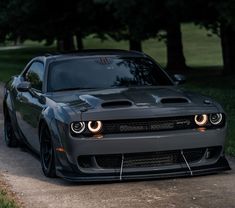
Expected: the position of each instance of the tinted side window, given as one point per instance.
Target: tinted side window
(35, 75)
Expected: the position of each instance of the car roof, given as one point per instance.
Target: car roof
(94, 52)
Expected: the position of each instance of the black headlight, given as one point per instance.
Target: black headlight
(216, 118)
(77, 127)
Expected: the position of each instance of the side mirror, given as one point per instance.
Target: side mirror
(179, 79)
(24, 87)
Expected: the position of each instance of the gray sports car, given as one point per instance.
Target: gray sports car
(112, 115)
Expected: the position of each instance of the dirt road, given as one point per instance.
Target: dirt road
(21, 170)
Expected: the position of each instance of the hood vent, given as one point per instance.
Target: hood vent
(116, 104)
(174, 100)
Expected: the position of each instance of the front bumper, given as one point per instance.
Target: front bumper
(69, 167)
(220, 165)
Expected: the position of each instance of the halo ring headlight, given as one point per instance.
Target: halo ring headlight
(77, 127)
(95, 126)
(201, 120)
(216, 118)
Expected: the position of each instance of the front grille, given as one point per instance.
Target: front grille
(147, 160)
(147, 125)
(153, 159)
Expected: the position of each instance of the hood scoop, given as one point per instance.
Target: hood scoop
(174, 100)
(116, 104)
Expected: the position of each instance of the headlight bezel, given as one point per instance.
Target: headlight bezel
(208, 120)
(74, 131)
(98, 127)
(219, 121)
(86, 128)
(204, 120)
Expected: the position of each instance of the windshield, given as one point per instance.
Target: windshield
(105, 72)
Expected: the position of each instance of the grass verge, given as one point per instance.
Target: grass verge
(221, 89)
(8, 198)
(6, 201)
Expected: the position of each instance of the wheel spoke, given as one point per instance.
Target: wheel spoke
(9, 130)
(47, 151)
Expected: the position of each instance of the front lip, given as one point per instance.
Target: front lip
(220, 165)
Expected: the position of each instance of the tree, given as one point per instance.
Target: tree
(142, 20)
(217, 16)
(227, 33)
(137, 19)
(13, 23)
(175, 54)
(53, 20)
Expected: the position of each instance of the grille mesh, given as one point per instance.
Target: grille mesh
(154, 159)
(147, 125)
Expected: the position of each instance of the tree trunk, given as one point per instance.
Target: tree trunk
(49, 41)
(66, 43)
(80, 45)
(134, 42)
(2, 37)
(59, 44)
(17, 40)
(135, 45)
(228, 49)
(175, 54)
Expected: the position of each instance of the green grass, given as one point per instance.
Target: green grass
(222, 89)
(200, 50)
(13, 61)
(203, 54)
(5, 201)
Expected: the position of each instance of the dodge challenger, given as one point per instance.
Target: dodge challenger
(101, 115)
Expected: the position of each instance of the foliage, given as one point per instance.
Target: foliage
(140, 20)
(132, 20)
(12, 23)
(5, 202)
(41, 19)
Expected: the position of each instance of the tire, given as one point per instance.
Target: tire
(47, 153)
(9, 135)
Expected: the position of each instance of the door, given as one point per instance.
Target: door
(29, 107)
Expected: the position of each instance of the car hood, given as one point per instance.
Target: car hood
(168, 98)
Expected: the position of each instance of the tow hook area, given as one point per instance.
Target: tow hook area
(121, 168)
(183, 156)
(186, 162)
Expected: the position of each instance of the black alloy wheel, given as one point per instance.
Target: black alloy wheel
(9, 135)
(47, 154)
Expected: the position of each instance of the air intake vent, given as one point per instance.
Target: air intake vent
(117, 104)
(174, 100)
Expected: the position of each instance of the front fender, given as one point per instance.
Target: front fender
(58, 120)
(59, 128)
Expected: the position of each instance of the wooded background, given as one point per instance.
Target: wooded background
(132, 20)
